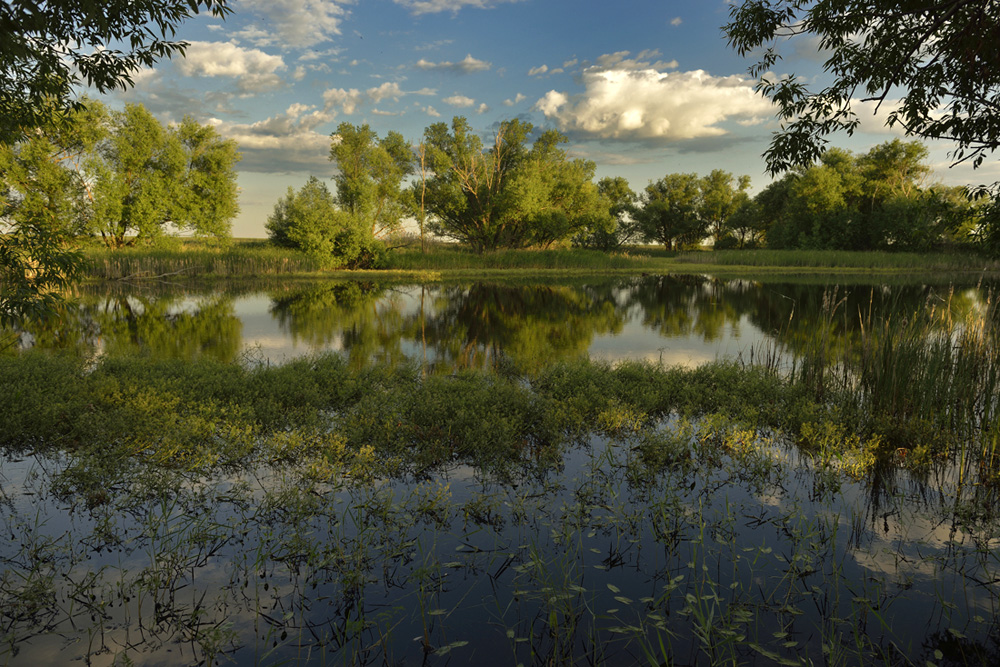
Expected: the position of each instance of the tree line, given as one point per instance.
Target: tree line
(522, 189)
(121, 176)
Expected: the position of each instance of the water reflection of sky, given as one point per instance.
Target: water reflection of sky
(674, 320)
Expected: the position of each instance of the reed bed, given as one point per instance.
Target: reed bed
(844, 259)
(237, 260)
(926, 383)
(447, 257)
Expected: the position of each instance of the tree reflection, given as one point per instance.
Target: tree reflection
(173, 326)
(363, 319)
(533, 326)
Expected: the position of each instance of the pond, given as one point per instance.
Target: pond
(684, 319)
(680, 539)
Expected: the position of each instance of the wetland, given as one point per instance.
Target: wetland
(617, 470)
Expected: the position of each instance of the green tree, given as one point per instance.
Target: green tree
(208, 197)
(48, 49)
(621, 202)
(146, 176)
(509, 195)
(309, 220)
(554, 196)
(467, 196)
(138, 167)
(937, 58)
(719, 199)
(370, 173)
(745, 223)
(43, 201)
(669, 214)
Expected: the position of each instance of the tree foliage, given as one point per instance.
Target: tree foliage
(40, 192)
(49, 48)
(670, 212)
(310, 220)
(370, 173)
(940, 58)
(507, 195)
(873, 201)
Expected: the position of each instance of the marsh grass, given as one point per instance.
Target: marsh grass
(844, 259)
(195, 259)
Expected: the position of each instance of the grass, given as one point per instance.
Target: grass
(246, 258)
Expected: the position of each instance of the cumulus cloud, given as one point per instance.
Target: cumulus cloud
(538, 71)
(483, 108)
(623, 101)
(517, 100)
(298, 23)
(453, 6)
(284, 142)
(348, 101)
(253, 70)
(385, 91)
(459, 101)
(467, 65)
(676, 21)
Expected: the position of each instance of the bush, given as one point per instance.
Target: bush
(309, 220)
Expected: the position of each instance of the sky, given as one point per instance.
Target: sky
(643, 88)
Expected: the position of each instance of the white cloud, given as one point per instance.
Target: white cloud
(459, 101)
(453, 6)
(287, 141)
(347, 100)
(468, 65)
(311, 54)
(642, 61)
(623, 102)
(385, 91)
(517, 100)
(432, 112)
(676, 21)
(483, 108)
(253, 70)
(299, 23)
(538, 71)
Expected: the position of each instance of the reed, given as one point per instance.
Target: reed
(196, 260)
(841, 259)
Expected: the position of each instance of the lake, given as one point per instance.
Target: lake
(687, 539)
(686, 320)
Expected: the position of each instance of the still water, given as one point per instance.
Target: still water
(688, 543)
(683, 320)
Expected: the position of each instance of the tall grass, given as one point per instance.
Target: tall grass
(447, 257)
(926, 382)
(834, 259)
(190, 260)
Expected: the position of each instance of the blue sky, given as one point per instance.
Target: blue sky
(641, 87)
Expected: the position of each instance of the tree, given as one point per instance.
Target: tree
(719, 199)
(370, 175)
(621, 202)
(509, 195)
(669, 214)
(938, 57)
(208, 197)
(468, 195)
(43, 202)
(147, 176)
(48, 49)
(309, 220)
